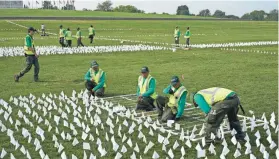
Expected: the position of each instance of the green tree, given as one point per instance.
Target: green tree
(127, 8)
(246, 16)
(182, 10)
(257, 15)
(105, 6)
(68, 7)
(273, 15)
(48, 5)
(219, 14)
(205, 13)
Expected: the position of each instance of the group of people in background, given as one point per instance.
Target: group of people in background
(186, 36)
(65, 36)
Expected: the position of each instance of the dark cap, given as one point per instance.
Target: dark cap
(61, 26)
(31, 29)
(94, 63)
(78, 28)
(174, 80)
(144, 69)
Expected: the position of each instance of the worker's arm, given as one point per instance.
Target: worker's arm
(138, 91)
(151, 89)
(181, 105)
(64, 32)
(166, 90)
(101, 82)
(178, 34)
(202, 104)
(87, 76)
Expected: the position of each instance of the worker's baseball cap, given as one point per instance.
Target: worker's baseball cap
(174, 80)
(31, 29)
(61, 26)
(94, 63)
(144, 69)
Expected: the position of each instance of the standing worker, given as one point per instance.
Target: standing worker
(146, 91)
(43, 30)
(62, 33)
(91, 33)
(187, 36)
(95, 80)
(216, 103)
(176, 36)
(78, 36)
(68, 37)
(31, 56)
(172, 108)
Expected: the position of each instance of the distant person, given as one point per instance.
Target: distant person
(78, 36)
(187, 36)
(176, 36)
(95, 80)
(43, 30)
(91, 33)
(68, 37)
(31, 57)
(62, 33)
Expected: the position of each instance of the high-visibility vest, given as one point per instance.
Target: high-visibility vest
(91, 31)
(214, 94)
(69, 35)
(144, 85)
(187, 34)
(28, 52)
(77, 34)
(176, 33)
(98, 76)
(174, 98)
(61, 33)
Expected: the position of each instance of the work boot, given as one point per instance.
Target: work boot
(36, 80)
(16, 78)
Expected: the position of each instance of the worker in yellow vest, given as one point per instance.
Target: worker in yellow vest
(91, 31)
(95, 80)
(176, 36)
(172, 107)
(216, 103)
(78, 36)
(62, 33)
(146, 90)
(68, 37)
(31, 56)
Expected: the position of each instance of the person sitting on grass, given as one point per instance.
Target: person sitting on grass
(95, 80)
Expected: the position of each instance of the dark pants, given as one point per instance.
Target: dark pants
(216, 115)
(187, 42)
(61, 41)
(176, 41)
(90, 85)
(91, 37)
(69, 43)
(31, 60)
(79, 43)
(43, 32)
(146, 103)
(164, 111)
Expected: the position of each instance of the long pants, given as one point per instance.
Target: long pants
(43, 32)
(187, 42)
(176, 41)
(31, 60)
(61, 41)
(146, 103)
(69, 43)
(216, 115)
(164, 111)
(91, 85)
(79, 43)
(91, 37)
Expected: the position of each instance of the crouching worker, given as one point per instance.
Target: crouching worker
(95, 80)
(146, 91)
(216, 103)
(172, 107)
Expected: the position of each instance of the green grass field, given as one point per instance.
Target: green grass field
(253, 76)
(71, 13)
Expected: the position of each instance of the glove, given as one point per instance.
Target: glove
(171, 91)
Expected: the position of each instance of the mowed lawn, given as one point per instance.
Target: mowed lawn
(253, 76)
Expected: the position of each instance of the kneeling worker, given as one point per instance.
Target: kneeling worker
(95, 80)
(172, 108)
(216, 103)
(146, 91)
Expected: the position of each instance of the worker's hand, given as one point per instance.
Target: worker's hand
(140, 98)
(92, 79)
(171, 91)
(36, 55)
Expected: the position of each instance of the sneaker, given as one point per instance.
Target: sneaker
(16, 78)
(36, 80)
